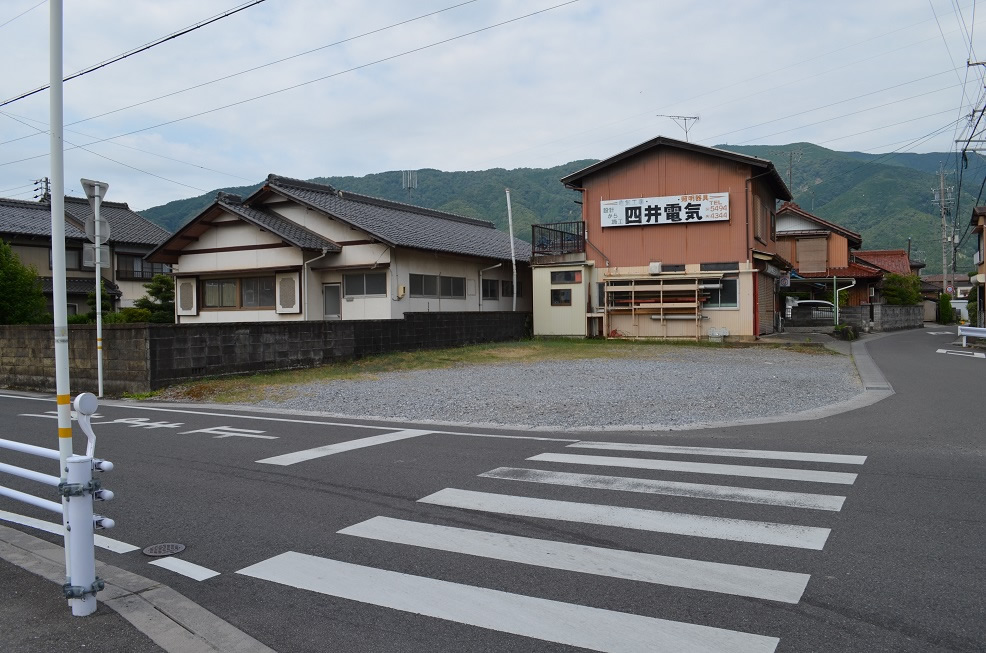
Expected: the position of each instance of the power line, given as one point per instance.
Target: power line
(142, 48)
(312, 81)
(7, 190)
(20, 119)
(4, 24)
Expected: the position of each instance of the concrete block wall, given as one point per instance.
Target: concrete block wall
(884, 317)
(139, 358)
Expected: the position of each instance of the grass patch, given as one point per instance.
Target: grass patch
(281, 384)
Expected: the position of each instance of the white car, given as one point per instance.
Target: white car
(816, 304)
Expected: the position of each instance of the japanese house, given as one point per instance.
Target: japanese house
(297, 250)
(27, 227)
(676, 240)
(978, 292)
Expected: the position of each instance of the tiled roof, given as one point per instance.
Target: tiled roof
(891, 260)
(276, 224)
(31, 219)
(80, 286)
(401, 224)
(126, 226)
(855, 270)
(958, 277)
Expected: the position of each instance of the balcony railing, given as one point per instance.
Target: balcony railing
(558, 238)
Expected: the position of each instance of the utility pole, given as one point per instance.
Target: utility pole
(943, 197)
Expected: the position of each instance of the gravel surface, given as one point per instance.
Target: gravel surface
(668, 388)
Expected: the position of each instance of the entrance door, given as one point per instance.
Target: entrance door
(332, 301)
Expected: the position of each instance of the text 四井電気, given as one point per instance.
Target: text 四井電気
(676, 209)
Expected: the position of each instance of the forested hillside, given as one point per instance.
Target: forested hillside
(886, 198)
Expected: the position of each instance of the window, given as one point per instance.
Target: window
(567, 276)
(491, 289)
(453, 287)
(219, 293)
(369, 284)
(73, 259)
(507, 289)
(725, 297)
(129, 266)
(561, 296)
(257, 292)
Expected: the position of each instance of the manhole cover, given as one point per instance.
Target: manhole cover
(166, 549)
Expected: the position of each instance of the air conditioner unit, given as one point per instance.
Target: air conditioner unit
(655, 267)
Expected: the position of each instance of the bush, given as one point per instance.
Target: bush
(846, 332)
(78, 318)
(901, 290)
(946, 315)
(973, 309)
(21, 299)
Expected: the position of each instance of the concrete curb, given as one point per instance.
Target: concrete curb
(170, 620)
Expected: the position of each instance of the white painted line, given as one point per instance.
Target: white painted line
(657, 521)
(941, 333)
(783, 473)
(185, 568)
(968, 354)
(506, 437)
(116, 546)
(340, 447)
(672, 488)
(528, 616)
(644, 567)
(727, 453)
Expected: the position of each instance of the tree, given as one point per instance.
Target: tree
(21, 298)
(106, 303)
(946, 315)
(902, 290)
(160, 299)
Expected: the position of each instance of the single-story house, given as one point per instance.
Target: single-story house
(298, 250)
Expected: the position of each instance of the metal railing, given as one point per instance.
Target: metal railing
(558, 238)
(78, 490)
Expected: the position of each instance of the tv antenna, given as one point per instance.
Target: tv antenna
(683, 122)
(409, 181)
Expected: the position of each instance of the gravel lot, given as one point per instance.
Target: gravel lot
(661, 389)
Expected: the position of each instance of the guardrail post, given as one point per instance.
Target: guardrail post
(78, 491)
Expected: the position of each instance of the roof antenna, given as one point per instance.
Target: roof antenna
(409, 181)
(683, 124)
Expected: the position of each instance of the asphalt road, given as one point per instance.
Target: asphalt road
(453, 543)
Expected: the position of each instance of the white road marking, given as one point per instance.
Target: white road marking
(969, 354)
(102, 542)
(644, 567)
(843, 478)
(941, 333)
(727, 453)
(219, 432)
(673, 488)
(739, 530)
(339, 447)
(185, 568)
(552, 621)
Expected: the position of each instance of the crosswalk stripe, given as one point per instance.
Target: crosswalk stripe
(339, 447)
(554, 621)
(728, 453)
(185, 568)
(740, 530)
(673, 488)
(737, 580)
(811, 475)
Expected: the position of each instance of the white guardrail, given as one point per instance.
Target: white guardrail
(967, 331)
(78, 490)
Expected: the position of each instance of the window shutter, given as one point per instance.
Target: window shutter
(812, 254)
(186, 300)
(288, 299)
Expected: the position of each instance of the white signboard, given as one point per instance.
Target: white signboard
(675, 209)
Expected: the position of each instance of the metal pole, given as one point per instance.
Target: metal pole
(513, 260)
(81, 551)
(835, 298)
(59, 298)
(99, 291)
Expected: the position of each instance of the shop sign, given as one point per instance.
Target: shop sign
(674, 209)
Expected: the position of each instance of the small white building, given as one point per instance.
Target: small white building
(297, 250)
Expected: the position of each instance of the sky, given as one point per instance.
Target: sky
(377, 85)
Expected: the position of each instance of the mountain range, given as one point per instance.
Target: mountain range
(886, 198)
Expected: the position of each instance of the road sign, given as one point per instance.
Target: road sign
(89, 255)
(104, 230)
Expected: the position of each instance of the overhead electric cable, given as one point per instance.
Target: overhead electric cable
(7, 190)
(312, 81)
(27, 11)
(142, 48)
